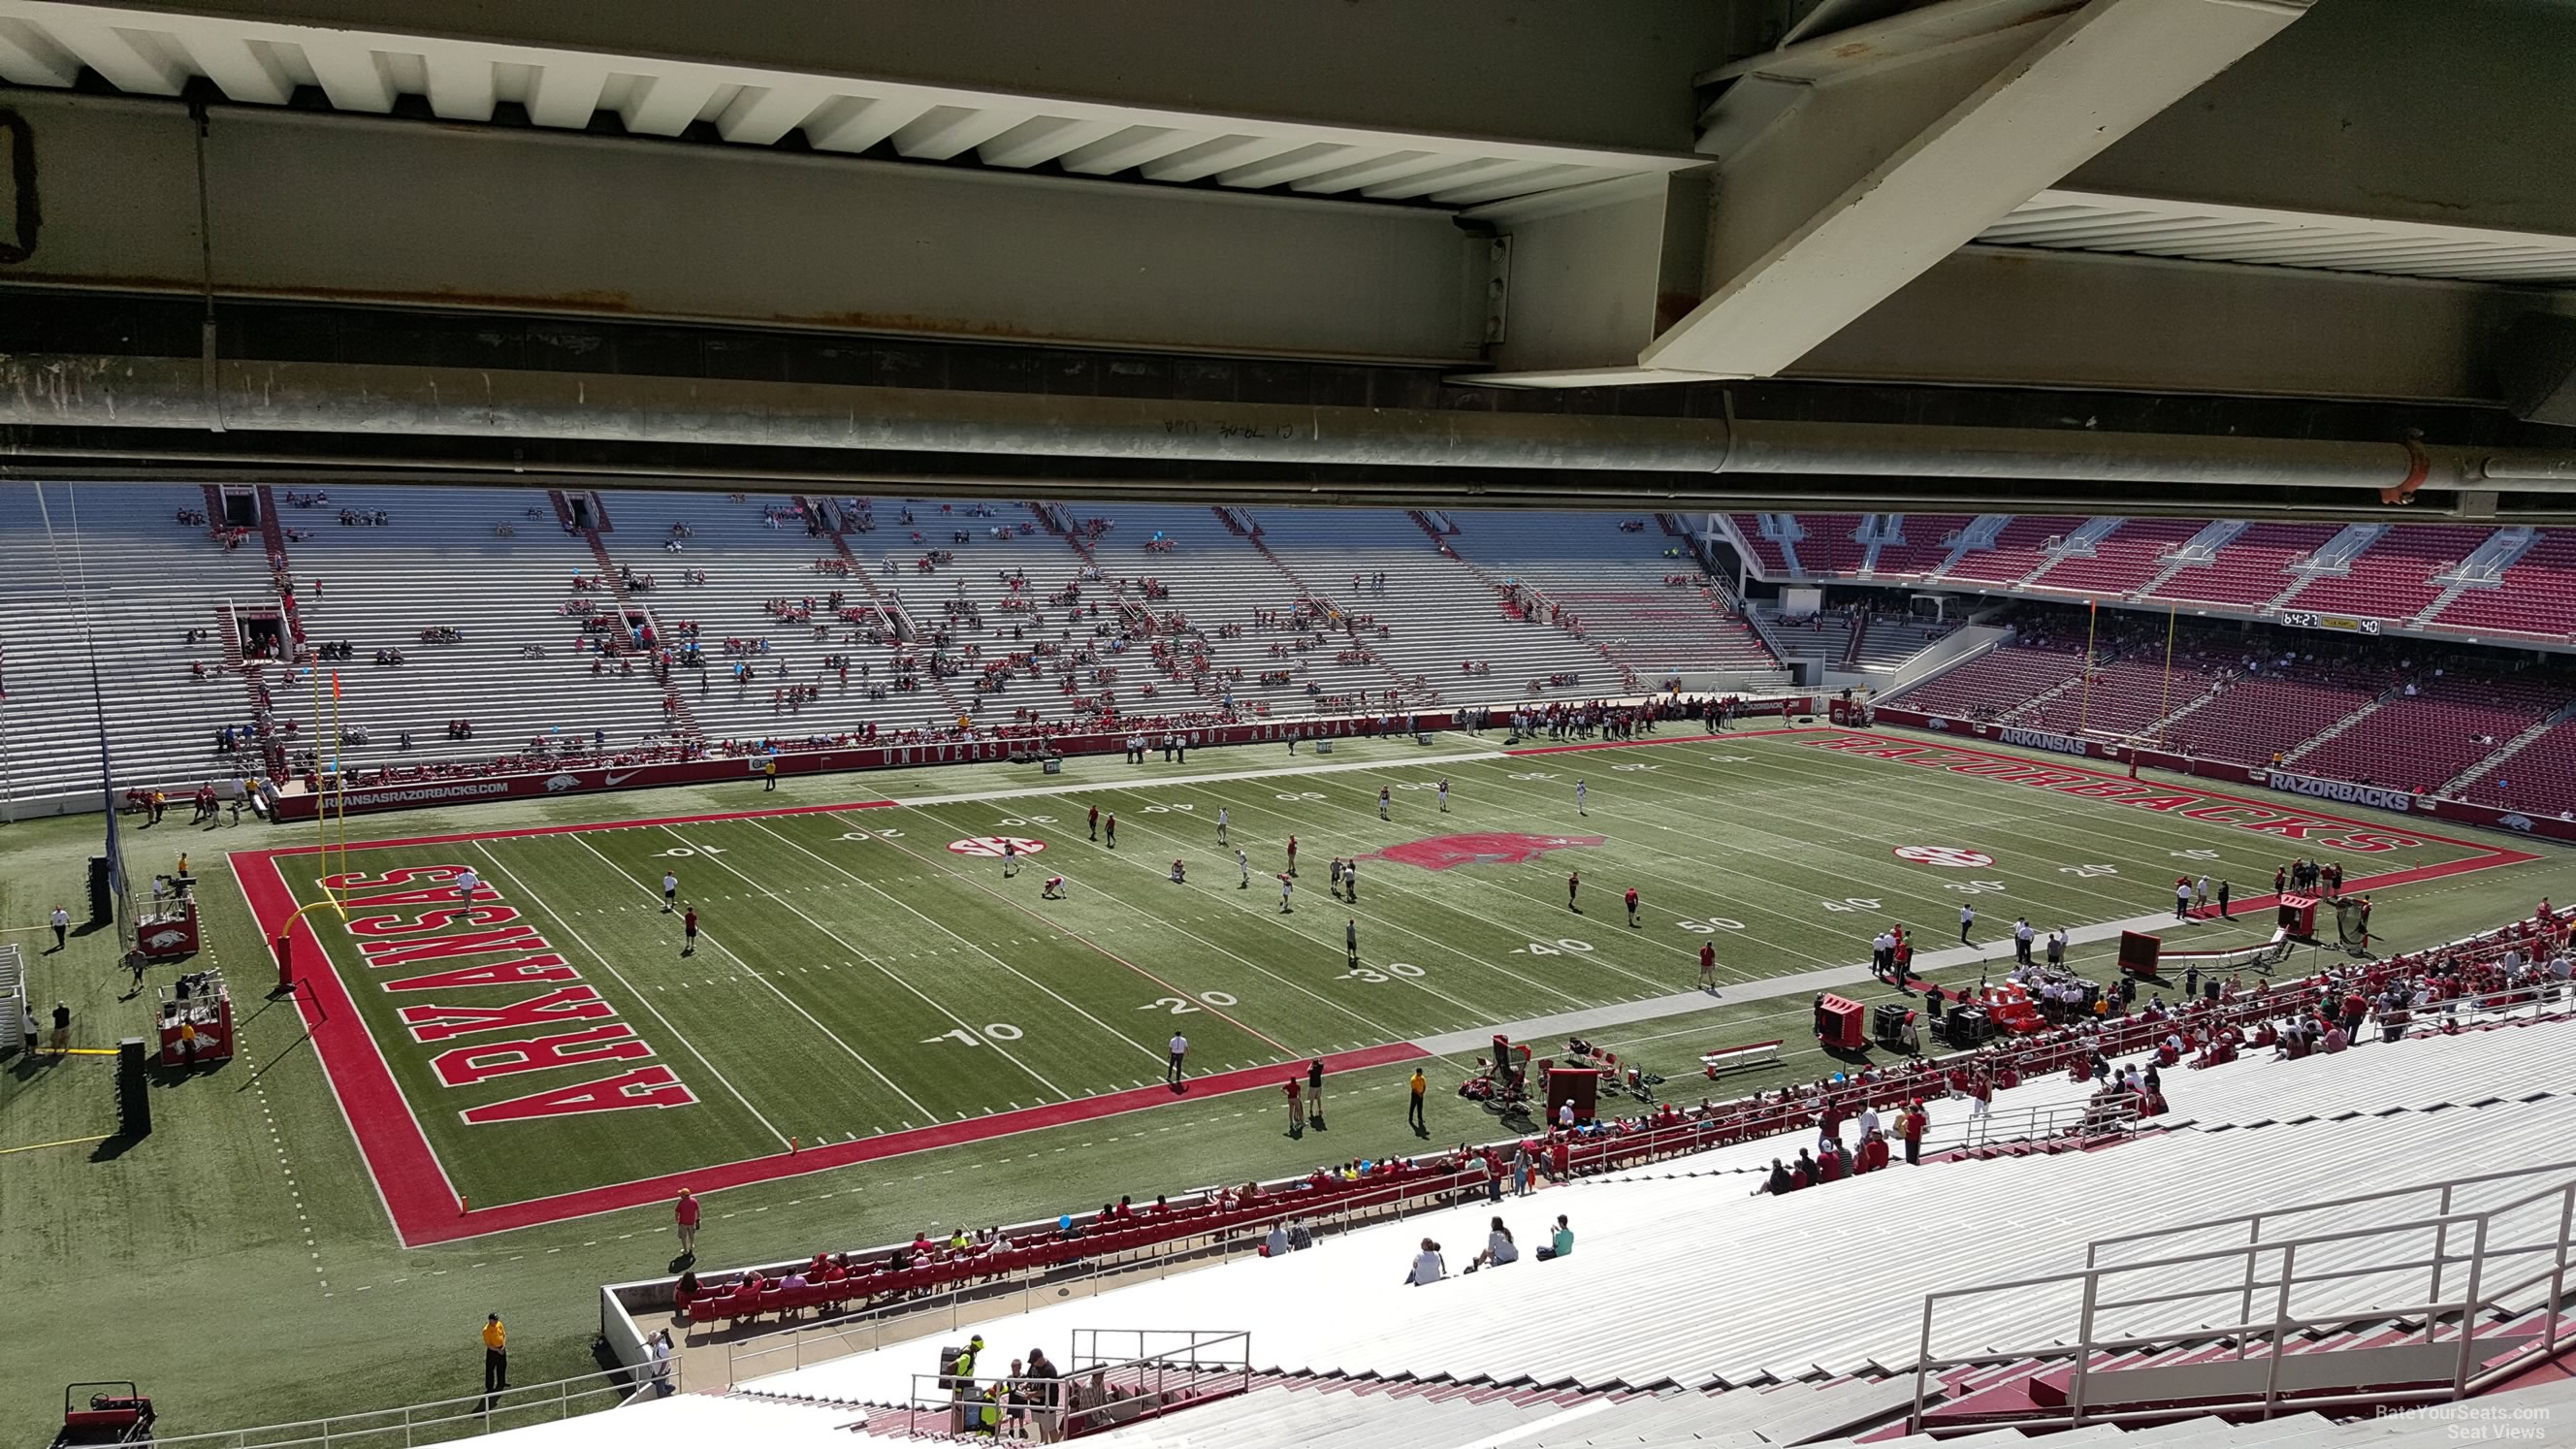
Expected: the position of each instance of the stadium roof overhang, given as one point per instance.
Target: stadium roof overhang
(2226, 218)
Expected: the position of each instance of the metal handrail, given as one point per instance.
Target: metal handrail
(1222, 1359)
(1397, 1197)
(2480, 1297)
(340, 1429)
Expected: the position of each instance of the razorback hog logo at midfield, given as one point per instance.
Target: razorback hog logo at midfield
(1498, 848)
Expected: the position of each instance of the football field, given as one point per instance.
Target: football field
(876, 978)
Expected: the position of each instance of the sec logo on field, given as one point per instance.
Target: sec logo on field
(990, 846)
(1945, 855)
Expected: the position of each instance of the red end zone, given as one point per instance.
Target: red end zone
(415, 1188)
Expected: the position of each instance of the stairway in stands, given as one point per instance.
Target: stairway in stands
(2317, 741)
(677, 708)
(890, 607)
(2511, 748)
(1411, 692)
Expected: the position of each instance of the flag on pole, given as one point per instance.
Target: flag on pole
(335, 684)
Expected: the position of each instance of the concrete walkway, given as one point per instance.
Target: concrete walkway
(1953, 961)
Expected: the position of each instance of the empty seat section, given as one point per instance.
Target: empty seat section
(2251, 569)
(2021, 547)
(2393, 578)
(2123, 560)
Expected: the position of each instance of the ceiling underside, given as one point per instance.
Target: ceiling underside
(2302, 224)
(369, 72)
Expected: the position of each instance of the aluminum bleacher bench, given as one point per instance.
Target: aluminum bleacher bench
(1739, 1058)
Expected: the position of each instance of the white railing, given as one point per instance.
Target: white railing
(1145, 1373)
(443, 1419)
(2444, 1270)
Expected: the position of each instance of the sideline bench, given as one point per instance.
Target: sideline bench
(1739, 1058)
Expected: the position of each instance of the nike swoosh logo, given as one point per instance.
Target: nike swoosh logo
(613, 779)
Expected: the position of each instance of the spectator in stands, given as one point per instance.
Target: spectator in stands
(1276, 1243)
(1499, 1248)
(1042, 1392)
(1428, 1265)
(1560, 1244)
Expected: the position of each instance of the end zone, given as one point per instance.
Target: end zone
(421, 1199)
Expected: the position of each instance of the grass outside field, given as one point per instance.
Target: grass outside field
(855, 974)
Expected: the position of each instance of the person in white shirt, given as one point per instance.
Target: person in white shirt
(670, 891)
(1243, 863)
(2021, 940)
(1222, 821)
(1428, 1266)
(1967, 918)
(1499, 1248)
(466, 885)
(1565, 1114)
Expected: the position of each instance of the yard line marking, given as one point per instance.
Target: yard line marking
(1379, 921)
(1385, 1032)
(709, 938)
(944, 929)
(540, 903)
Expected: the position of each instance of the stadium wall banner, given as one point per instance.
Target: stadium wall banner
(2347, 791)
(2459, 812)
(590, 778)
(2061, 744)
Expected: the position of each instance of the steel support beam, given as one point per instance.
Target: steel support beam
(389, 211)
(2017, 318)
(1606, 73)
(1862, 184)
(51, 391)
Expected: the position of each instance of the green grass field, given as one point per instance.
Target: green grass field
(858, 981)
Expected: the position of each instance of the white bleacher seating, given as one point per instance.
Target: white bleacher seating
(135, 580)
(1730, 1302)
(440, 562)
(1614, 581)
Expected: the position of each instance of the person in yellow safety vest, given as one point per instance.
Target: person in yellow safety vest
(992, 1411)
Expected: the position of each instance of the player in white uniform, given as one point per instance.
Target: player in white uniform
(1578, 797)
(1010, 857)
(1285, 886)
(1054, 888)
(1243, 863)
(1222, 820)
(1444, 797)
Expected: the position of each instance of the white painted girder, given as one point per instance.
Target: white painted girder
(2070, 220)
(460, 82)
(155, 52)
(855, 123)
(1044, 138)
(1860, 187)
(31, 57)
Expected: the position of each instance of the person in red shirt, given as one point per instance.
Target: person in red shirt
(1095, 822)
(1829, 1166)
(684, 1217)
(1875, 1154)
(1708, 967)
(1573, 884)
(1560, 1161)
(1632, 908)
(1292, 855)
(1296, 1112)
(1914, 1122)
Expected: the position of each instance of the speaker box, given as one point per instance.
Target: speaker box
(102, 899)
(133, 1092)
